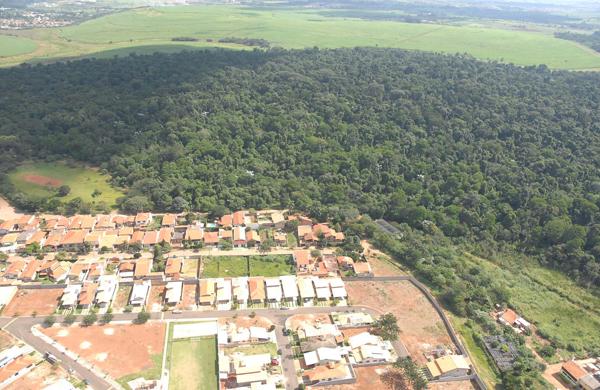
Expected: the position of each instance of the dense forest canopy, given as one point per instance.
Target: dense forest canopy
(483, 152)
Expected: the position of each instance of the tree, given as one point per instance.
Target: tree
(142, 317)
(63, 191)
(387, 327)
(412, 373)
(90, 319)
(266, 245)
(49, 321)
(69, 319)
(107, 317)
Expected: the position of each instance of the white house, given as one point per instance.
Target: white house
(338, 289)
(370, 349)
(173, 293)
(323, 355)
(223, 294)
(322, 289)
(307, 290)
(139, 293)
(290, 288)
(241, 292)
(107, 288)
(274, 293)
(70, 295)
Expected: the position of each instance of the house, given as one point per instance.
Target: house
(106, 291)
(304, 232)
(30, 272)
(223, 294)
(252, 238)
(370, 349)
(510, 318)
(169, 220)
(211, 239)
(87, 295)
(226, 221)
(104, 223)
(280, 238)
(150, 239)
(239, 218)
(177, 238)
(139, 293)
(258, 334)
(126, 270)
(194, 235)
(277, 219)
(323, 355)
(572, 372)
(70, 296)
(362, 269)
(142, 219)
(143, 268)
(273, 287)
(318, 330)
(128, 231)
(39, 237)
(290, 288)
(338, 290)
(165, 234)
(352, 319)
(590, 382)
(239, 236)
(24, 236)
(173, 267)
(448, 366)
(173, 293)
(322, 289)
(73, 240)
(59, 271)
(96, 270)
(15, 268)
(88, 222)
(241, 292)
(248, 369)
(9, 242)
(92, 239)
(307, 289)
(302, 258)
(257, 290)
(207, 292)
(111, 241)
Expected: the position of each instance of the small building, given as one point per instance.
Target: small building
(273, 287)
(239, 218)
(352, 319)
(289, 287)
(143, 219)
(363, 269)
(572, 372)
(169, 220)
(211, 239)
(143, 268)
(173, 267)
(302, 259)
(448, 366)
(107, 288)
(224, 294)
(256, 287)
(510, 318)
(139, 293)
(590, 382)
(173, 293)
(307, 290)
(87, 295)
(239, 237)
(70, 296)
(323, 355)
(322, 289)
(126, 270)
(207, 292)
(338, 289)
(240, 290)
(370, 349)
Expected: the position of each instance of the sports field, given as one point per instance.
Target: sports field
(149, 29)
(193, 364)
(41, 180)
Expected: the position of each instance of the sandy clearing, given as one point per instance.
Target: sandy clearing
(7, 211)
(41, 180)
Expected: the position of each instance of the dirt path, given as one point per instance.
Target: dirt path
(7, 211)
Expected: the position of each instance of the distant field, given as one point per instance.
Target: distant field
(12, 46)
(41, 180)
(234, 266)
(151, 29)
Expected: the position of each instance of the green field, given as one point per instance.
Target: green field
(13, 46)
(551, 301)
(193, 364)
(150, 29)
(234, 266)
(40, 180)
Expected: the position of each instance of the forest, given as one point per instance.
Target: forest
(495, 155)
(590, 40)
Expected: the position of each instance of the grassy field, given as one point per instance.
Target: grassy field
(40, 180)
(13, 46)
(551, 301)
(152, 29)
(275, 265)
(193, 364)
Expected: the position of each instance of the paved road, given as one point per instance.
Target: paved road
(21, 328)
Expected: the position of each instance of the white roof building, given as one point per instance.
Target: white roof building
(240, 289)
(173, 292)
(290, 288)
(61, 384)
(139, 293)
(307, 290)
(259, 333)
(70, 295)
(322, 288)
(223, 291)
(318, 330)
(274, 292)
(323, 355)
(338, 289)
(361, 339)
(107, 286)
(6, 294)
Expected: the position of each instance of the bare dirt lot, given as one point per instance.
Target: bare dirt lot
(27, 301)
(246, 322)
(421, 328)
(381, 264)
(42, 180)
(461, 385)
(43, 375)
(366, 378)
(15, 366)
(6, 340)
(155, 298)
(122, 298)
(118, 350)
(188, 298)
(307, 319)
(7, 211)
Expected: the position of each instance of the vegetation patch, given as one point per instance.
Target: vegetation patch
(271, 265)
(193, 364)
(224, 266)
(13, 46)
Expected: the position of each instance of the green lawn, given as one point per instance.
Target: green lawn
(153, 28)
(40, 180)
(559, 308)
(271, 265)
(193, 364)
(12, 46)
(224, 266)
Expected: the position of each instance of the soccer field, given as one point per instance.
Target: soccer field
(147, 29)
(193, 364)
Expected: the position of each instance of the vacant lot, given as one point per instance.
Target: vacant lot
(41, 376)
(193, 364)
(6, 340)
(421, 328)
(28, 302)
(41, 180)
(224, 266)
(123, 351)
(122, 298)
(16, 365)
(190, 268)
(155, 298)
(123, 32)
(274, 265)
(188, 299)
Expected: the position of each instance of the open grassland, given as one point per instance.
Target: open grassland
(149, 29)
(234, 266)
(193, 364)
(274, 265)
(561, 310)
(41, 180)
(13, 46)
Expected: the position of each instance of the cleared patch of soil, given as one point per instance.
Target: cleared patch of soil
(41, 376)
(41, 180)
(26, 302)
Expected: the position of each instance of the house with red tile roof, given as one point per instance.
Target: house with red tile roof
(572, 372)
(143, 268)
(239, 218)
(87, 295)
(303, 260)
(73, 240)
(137, 237)
(165, 234)
(239, 236)
(30, 272)
(15, 268)
(143, 219)
(150, 239)
(362, 268)
(226, 221)
(211, 239)
(173, 267)
(169, 220)
(252, 238)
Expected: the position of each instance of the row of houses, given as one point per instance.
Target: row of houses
(582, 375)
(289, 290)
(116, 232)
(329, 265)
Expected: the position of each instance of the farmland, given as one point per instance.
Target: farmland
(152, 29)
(41, 180)
(12, 46)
